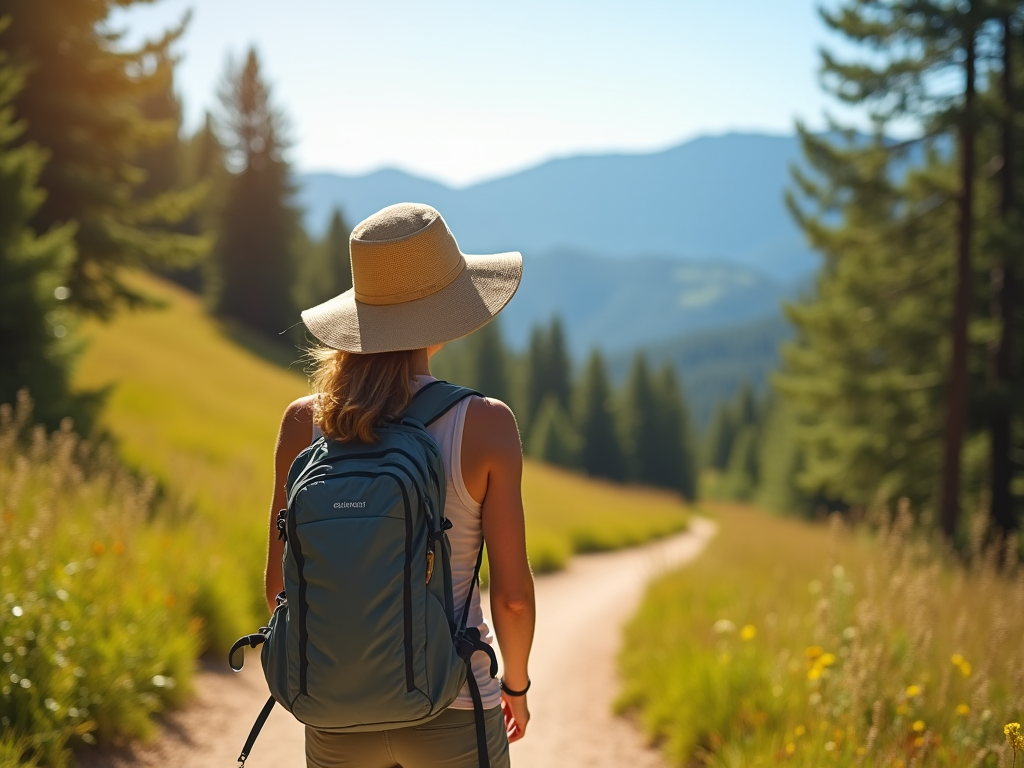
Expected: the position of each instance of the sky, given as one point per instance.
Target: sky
(465, 90)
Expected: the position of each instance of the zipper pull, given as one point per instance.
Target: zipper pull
(282, 522)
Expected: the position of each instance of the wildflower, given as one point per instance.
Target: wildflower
(827, 659)
(724, 626)
(957, 659)
(749, 632)
(902, 709)
(919, 741)
(790, 748)
(97, 548)
(1013, 735)
(963, 710)
(799, 731)
(1012, 731)
(814, 672)
(118, 548)
(913, 691)
(813, 652)
(918, 726)
(965, 669)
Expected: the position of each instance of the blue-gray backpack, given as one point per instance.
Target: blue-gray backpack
(365, 636)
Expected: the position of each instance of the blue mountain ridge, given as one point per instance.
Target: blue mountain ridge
(628, 249)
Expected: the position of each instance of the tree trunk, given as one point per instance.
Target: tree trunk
(957, 393)
(1001, 438)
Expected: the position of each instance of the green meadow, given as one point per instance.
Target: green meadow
(799, 644)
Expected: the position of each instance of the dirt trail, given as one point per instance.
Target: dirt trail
(580, 614)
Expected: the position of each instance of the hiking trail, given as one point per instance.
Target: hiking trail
(580, 612)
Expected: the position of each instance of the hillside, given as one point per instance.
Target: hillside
(712, 364)
(715, 198)
(620, 305)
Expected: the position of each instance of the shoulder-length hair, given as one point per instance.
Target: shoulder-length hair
(357, 392)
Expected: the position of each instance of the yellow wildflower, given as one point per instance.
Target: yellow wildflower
(790, 748)
(814, 672)
(98, 548)
(1013, 735)
(902, 709)
(957, 659)
(913, 690)
(799, 731)
(963, 710)
(918, 726)
(749, 632)
(965, 669)
(919, 741)
(827, 659)
(813, 652)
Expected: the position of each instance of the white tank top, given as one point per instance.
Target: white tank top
(466, 536)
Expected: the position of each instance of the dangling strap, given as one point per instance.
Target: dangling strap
(468, 642)
(252, 641)
(256, 728)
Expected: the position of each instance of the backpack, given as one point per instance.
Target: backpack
(365, 636)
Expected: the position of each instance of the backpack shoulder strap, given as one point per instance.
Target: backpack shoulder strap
(435, 400)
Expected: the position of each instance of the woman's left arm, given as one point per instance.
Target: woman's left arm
(293, 436)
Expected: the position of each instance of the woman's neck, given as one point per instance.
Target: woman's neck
(420, 363)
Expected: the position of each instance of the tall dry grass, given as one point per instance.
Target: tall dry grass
(99, 583)
(795, 644)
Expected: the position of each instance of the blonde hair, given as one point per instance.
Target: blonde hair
(357, 392)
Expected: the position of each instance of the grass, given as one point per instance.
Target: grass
(96, 597)
(803, 645)
(200, 411)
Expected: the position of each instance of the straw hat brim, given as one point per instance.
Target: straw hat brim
(466, 304)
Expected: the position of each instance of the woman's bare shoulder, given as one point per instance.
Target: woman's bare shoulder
(298, 417)
(491, 428)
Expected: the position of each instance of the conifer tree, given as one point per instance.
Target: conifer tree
(601, 452)
(675, 463)
(82, 104)
(258, 226)
(325, 269)
(882, 403)
(549, 369)
(201, 159)
(640, 424)
(36, 329)
(554, 439)
(491, 376)
(720, 436)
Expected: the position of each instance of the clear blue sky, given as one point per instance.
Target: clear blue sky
(462, 90)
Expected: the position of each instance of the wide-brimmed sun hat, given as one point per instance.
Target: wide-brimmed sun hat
(411, 285)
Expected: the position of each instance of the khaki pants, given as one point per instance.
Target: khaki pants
(449, 740)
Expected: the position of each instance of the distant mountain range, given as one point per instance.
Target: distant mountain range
(716, 199)
(618, 304)
(630, 250)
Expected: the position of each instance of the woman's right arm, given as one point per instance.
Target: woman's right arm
(496, 456)
(293, 436)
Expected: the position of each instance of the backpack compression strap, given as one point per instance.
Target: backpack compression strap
(468, 642)
(434, 400)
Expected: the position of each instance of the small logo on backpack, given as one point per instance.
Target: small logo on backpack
(350, 504)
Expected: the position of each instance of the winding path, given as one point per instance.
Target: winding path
(580, 615)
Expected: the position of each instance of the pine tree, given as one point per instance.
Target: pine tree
(258, 228)
(201, 159)
(888, 411)
(601, 453)
(720, 436)
(559, 367)
(554, 438)
(640, 424)
(490, 362)
(82, 104)
(675, 463)
(36, 329)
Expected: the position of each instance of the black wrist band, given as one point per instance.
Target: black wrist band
(510, 692)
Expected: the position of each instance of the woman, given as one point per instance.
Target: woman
(413, 290)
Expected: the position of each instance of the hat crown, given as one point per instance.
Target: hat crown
(402, 253)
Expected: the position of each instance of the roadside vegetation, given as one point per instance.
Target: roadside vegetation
(808, 645)
(101, 584)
